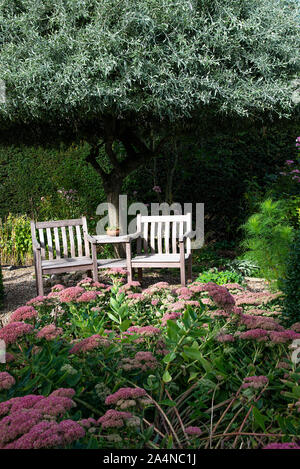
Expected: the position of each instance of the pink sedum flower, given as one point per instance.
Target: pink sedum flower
(254, 334)
(6, 380)
(255, 382)
(114, 419)
(87, 296)
(170, 317)
(14, 331)
(154, 302)
(223, 338)
(63, 392)
(144, 330)
(193, 431)
(49, 332)
(125, 393)
(38, 300)
(57, 288)
(88, 344)
(29, 422)
(282, 446)
(284, 336)
(70, 294)
(23, 313)
(47, 434)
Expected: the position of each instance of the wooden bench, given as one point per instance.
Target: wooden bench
(163, 241)
(62, 246)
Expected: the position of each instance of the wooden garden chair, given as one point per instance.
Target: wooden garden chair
(62, 246)
(163, 241)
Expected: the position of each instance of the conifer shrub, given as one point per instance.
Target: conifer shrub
(268, 239)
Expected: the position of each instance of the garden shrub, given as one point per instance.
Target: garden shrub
(290, 285)
(220, 276)
(244, 267)
(268, 239)
(15, 239)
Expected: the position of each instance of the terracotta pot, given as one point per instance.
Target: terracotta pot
(113, 232)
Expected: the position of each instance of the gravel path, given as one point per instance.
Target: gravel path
(19, 287)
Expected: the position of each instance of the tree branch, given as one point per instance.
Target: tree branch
(92, 159)
(136, 158)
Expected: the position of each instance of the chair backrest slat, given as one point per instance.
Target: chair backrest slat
(181, 229)
(50, 244)
(86, 243)
(159, 237)
(58, 223)
(138, 229)
(189, 229)
(145, 236)
(57, 245)
(64, 240)
(42, 242)
(167, 237)
(79, 240)
(152, 238)
(72, 243)
(174, 237)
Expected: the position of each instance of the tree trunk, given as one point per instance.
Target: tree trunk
(112, 196)
(137, 155)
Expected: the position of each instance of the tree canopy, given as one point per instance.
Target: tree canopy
(157, 59)
(118, 68)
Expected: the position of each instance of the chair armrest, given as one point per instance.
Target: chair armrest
(133, 236)
(90, 238)
(185, 236)
(36, 245)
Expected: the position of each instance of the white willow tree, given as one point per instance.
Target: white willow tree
(127, 73)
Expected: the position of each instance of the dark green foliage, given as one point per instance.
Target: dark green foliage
(228, 167)
(1, 288)
(32, 176)
(15, 239)
(290, 285)
(220, 277)
(268, 238)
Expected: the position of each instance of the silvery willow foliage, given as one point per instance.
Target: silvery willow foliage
(159, 58)
(129, 71)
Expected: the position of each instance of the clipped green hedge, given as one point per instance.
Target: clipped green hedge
(1, 288)
(291, 284)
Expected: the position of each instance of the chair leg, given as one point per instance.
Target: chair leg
(182, 275)
(39, 282)
(128, 262)
(140, 274)
(95, 265)
(190, 269)
(182, 263)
